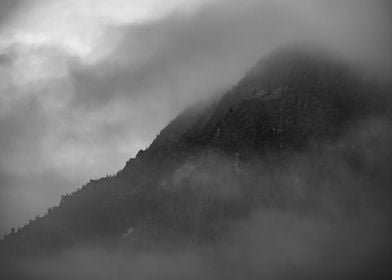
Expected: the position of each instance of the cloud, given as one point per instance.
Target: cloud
(271, 244)
(83, 89)
(7, 8)
(325, 215)
(81, 30)
(185, 58)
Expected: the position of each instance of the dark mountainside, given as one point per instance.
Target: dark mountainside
(299, 134)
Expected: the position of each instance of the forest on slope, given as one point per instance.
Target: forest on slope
(300, 146)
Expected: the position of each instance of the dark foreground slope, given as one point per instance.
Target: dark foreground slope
(293, 163)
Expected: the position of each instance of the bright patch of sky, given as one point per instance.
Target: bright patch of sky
(82, 27)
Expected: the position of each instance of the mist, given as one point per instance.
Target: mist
(317, 214)
(82, 90)
(273, 244)
(61, 91)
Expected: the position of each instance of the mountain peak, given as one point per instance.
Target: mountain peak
(288, 101)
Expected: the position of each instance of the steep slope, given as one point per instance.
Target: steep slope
(287, 100)
(212, 165)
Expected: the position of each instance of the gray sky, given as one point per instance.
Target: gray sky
(85, 84)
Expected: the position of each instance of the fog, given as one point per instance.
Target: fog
(321, 214)
(273, 244)
(82, 90)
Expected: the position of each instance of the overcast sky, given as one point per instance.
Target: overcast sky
(85, 84)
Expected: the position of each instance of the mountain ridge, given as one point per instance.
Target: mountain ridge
(197, 174)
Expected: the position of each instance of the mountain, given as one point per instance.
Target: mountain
(300, 131)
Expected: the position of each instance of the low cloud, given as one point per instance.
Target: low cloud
(319, 214)
(65, 112)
